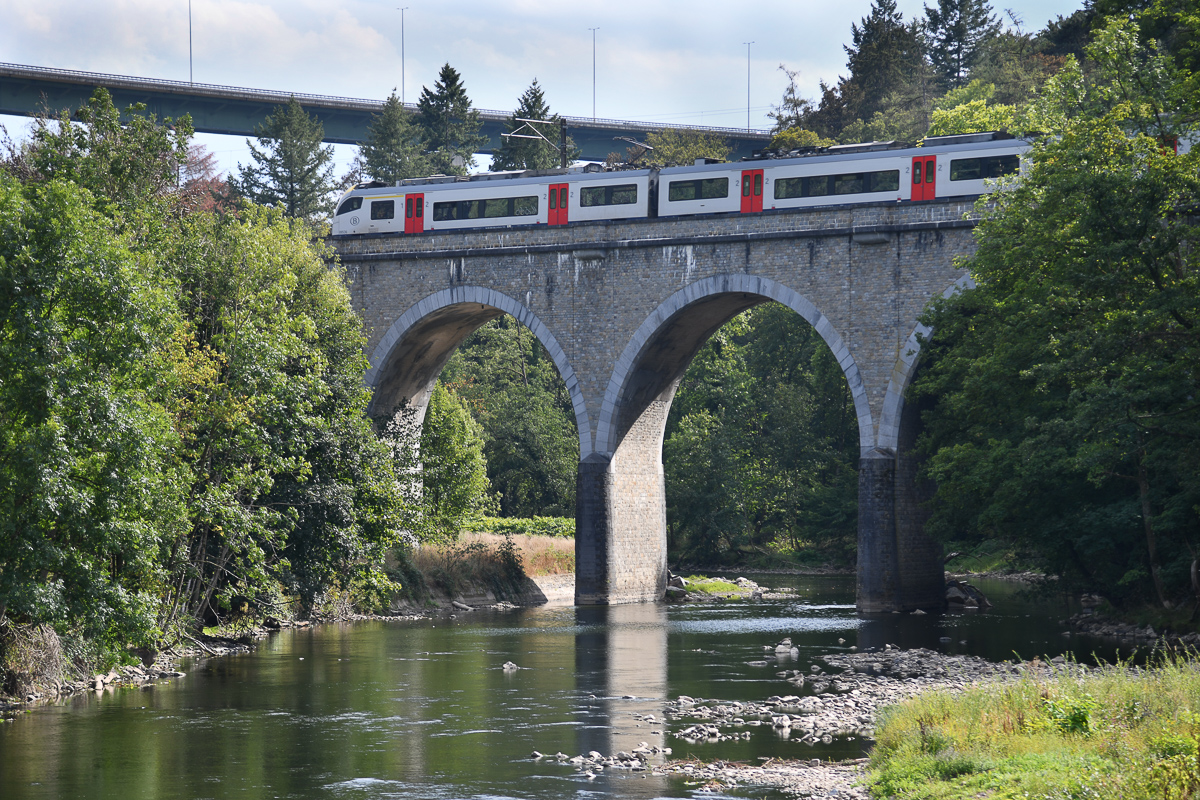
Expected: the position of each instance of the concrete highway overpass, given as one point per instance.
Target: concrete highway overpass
(27, 90)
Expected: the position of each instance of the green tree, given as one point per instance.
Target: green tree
(454, 480)
(1065, 417)
(394, 148)
(681, 147)
(884, 56)
(89, 487)
(966, 110)
(514, 391)
(450, 126)
(183, 410)
(516, 153)
(958, 31)
(126, 161)
(761, 446)
(797, 139)
(291, 168)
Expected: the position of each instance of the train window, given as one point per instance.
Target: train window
(974, 169)
(714, 188)
(758, 185)
(553, 199)
(885, 181)
(492, 208)
(916, 172)
(823, 185)
(383, 209)
(705, 189)
(608, 195)
(849, 184)
(348, 205)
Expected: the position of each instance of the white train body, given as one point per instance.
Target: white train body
(943, 167)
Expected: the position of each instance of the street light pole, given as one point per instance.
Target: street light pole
(593, 30)
(191, 77)
(402, 10)
(747, 85)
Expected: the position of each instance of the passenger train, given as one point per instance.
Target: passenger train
(942, 167)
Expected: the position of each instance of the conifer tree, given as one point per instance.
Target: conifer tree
(292, 169)
(393, 150)
(451, 128)
(957, 31)
(516, 153)
(884, 54)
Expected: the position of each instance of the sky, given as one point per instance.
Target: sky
(655, 61)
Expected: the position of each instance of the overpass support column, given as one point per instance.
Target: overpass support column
(899, 566)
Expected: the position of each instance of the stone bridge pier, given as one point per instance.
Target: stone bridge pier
(622, 307)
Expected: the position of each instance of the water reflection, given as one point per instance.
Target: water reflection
(382, 710)
(621, 663)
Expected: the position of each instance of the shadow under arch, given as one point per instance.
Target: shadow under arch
(621, 540)
(406, 363)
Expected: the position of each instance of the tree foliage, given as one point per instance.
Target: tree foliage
(451, 127)
(958, 32)
(292, 169)
(531, 444)
(677, 147)
(182, 403)
(394, 149)
(515, 153)
(1065, 417)
(761, 446)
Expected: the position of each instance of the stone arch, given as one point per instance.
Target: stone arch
(630, 390)
(620, 545)
(410, 356)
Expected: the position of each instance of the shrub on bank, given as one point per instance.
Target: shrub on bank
(525, 526)
(1118, 731)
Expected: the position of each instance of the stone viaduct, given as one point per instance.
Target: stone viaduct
(622, 307)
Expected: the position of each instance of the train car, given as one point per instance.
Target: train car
(551, 197)
(942, 167)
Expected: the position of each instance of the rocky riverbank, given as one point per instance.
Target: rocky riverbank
(1129, 633)
(838, 697)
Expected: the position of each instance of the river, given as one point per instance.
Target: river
(424, 709)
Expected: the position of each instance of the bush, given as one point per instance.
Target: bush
(529, 526)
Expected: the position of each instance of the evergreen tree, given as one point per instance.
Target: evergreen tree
(531, 153)
(292, 170)
(957, 32)
(883, 57)
(451, 128)
(393, 149)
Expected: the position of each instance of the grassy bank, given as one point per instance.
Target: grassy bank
(1115, 732)
(499, 563)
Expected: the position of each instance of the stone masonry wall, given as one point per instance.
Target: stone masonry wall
(860, 274)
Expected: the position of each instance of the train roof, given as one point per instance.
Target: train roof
(865, 150)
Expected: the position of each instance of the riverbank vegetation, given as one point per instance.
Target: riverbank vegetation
(183, 411)
(1116, 731)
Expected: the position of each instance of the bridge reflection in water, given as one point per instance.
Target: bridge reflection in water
(621, 659)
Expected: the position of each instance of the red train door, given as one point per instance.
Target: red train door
(558, 204)
(924, 177)
(752, 190)
(414, 213)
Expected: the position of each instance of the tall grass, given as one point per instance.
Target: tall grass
(495, 562)
(1116, 732)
